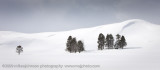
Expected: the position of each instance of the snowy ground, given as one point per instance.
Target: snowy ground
(142, 52)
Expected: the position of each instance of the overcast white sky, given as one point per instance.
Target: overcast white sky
(32, 16)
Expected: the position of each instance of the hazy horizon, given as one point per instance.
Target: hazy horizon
(30, 16)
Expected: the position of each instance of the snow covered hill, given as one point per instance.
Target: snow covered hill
(141, 53)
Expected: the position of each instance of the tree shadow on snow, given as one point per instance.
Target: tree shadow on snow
(125, 48)
(88, 51)
(132, 47)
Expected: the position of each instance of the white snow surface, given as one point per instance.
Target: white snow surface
(141, 53)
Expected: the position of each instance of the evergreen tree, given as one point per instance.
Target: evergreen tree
(123, 42)
(101, 41)
(74, 46)
(19, 49)
(109, 41)
(80, 46)
(68, 44)
(118, 42)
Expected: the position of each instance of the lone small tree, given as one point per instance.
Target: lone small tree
(19, 49)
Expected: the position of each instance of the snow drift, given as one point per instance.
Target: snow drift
(142, 51)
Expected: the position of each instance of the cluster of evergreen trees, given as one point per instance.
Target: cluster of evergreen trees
(120, 42)
(73, 46)
(109, 41)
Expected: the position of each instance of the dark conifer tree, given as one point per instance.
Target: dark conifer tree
(68, 44)
(111, 41)
(19, 49)
(123, 42)
(101, 41)
(80, 46)
(74, 47)
(107, 41)
(118, 42)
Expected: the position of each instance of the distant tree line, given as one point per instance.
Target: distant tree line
(73, 46)
(109, 41)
